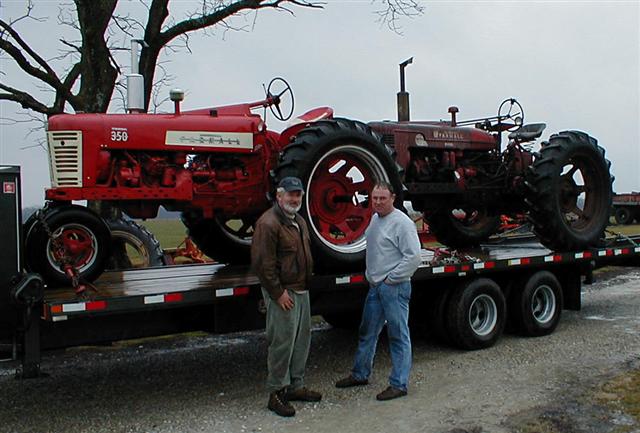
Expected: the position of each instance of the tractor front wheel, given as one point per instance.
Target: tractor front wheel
(67, 237)
(339, 161)
(133, 246)
(460, 228)
(222, 239)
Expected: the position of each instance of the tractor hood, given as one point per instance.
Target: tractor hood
(433, 135)
(179, 132)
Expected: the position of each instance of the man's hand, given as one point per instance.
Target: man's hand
(284, 301)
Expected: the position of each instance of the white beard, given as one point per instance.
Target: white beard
(291, 210)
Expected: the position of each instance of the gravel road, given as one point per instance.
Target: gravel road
(204, 383)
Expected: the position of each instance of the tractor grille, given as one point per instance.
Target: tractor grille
(389, 139)
(65, 158)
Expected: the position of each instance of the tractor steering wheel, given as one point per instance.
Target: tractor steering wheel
(278, 88)
(512, 110)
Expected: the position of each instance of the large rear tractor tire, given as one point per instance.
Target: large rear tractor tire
(338, 161)
(570, 192)
(133, 246)
(458, 228)
(79, 237)
(225, 241)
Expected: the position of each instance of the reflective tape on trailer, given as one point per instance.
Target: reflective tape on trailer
(161, 299)
(232, 291)
(79, 306)
(63, 311)
(351, 279)
(553, 258)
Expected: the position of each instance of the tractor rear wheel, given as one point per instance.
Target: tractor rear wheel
(223, 240)
(133, 246)
(338, 161)
(78, 237)
(459, 228)
(570, 192)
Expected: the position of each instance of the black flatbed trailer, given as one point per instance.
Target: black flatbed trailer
(136, 290)
(461, 296)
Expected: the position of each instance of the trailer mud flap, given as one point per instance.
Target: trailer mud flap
(570, 279)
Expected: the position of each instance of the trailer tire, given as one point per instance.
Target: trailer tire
(338, 161)
(344, 320)
(535, 305)
(78, 226)
(476, 314)
(127, 235)
(570, 192)
(623, 216)
(437, 316)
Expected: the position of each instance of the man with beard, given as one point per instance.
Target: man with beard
(281, 257)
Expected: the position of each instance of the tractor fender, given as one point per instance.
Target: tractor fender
(297, 124)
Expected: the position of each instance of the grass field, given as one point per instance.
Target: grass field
(171, 233)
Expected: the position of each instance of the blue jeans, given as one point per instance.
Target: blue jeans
(386, 303)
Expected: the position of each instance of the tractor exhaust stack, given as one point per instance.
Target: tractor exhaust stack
(403, 95)
(135, 81)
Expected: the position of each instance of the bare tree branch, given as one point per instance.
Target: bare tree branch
(394, 9)
(48, 75)
(24, 99)
(220, 14)
(92, 68)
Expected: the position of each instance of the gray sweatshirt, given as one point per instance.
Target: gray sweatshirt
(393, 248)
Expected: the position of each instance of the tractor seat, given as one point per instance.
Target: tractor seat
(528, 132)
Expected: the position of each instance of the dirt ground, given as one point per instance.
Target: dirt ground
(582, 378)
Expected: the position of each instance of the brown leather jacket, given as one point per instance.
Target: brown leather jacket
(280, 253)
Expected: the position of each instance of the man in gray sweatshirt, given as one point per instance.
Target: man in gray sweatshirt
(393, 255)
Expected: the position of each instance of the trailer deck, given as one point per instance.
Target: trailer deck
(183, 285)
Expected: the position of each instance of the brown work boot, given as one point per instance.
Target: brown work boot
(390, 393)
(279, 404)
(350, 381)
(303, 394)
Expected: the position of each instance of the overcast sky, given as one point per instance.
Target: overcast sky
(572, 65)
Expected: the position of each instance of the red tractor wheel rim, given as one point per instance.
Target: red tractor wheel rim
(74, 244)
(337, 196)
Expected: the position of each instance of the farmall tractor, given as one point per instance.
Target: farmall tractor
(218, 166)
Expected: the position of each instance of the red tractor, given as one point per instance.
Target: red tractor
(218, 166)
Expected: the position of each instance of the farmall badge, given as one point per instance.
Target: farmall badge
(420, 141)
(9, 187)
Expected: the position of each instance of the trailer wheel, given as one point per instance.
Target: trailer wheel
(133, 246)
(535, 307)
(226, 241)
(460, 228)
(338, 161)
(83, 237)
(344, 320)
(570, 192)
(623, 216)
(476, 314)
(437, 316)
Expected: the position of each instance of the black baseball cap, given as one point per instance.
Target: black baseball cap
(291, 183)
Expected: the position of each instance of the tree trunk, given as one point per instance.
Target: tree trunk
(98, 75)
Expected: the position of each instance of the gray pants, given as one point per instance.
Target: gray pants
(289, 338)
